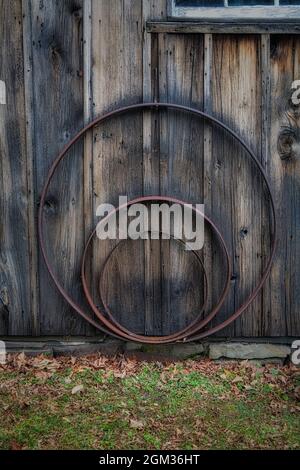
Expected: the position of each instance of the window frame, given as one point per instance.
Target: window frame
(251, 13)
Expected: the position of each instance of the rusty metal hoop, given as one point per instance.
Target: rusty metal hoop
(195, 335)
(105, 303)
(196, 324)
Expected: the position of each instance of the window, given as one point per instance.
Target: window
(235, 9)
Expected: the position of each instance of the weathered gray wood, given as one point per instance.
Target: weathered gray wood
(73, 60)
(265, 96)
(29, 111)
(265, 161)
(151, 168)
(88, 208)
(234, 181)
(15, 261)
(181, 169)
(56, 37)
(215, 27)
(118, 145)
(88, 115)
(151, 185)
(284, 175)
(207, 159)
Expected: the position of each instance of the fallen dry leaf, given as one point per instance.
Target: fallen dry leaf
(120, 375)
(41, 374)
(248, 387)
(15, 446)
(237, 379)
(297, 392)
(136, 424)
(21, 360)
(77, 389)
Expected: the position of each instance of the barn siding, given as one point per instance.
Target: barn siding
(15, 259)
(54, 31)
(180, 79)
(237, 103)
(75, 59)
(284, 283)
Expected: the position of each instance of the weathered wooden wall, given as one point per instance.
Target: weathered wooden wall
(65, 62)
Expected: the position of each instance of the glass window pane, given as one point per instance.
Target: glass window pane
(289, 2)
(244, 3)
(233, 3)
(199, 3)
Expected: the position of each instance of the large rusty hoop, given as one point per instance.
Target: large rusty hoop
(193, 334)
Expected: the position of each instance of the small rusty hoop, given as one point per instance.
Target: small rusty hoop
(101, 288)
(196, 324)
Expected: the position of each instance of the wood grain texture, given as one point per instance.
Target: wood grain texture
(56, 57)
(283, 313)
(221, 27)
(15, 263)
(29, 113)
(181, 168)
(151, 167)
(64, 63)
(88, 208)
(265, 160)
(118, 145)
(235, 185)
(208, 248)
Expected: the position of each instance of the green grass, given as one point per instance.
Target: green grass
(127, 405)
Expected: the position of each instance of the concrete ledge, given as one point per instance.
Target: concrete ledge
(75, 348)
(65, 347)
(248, 351)
(169, 351)
(260, 349)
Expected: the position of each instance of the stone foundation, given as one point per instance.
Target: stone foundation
(263, 350)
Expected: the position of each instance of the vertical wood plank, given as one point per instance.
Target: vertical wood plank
(207, 160)
(57, 71)
(88, 208)
(181, 168)
(235, 184)
(117, 70)
(265, 160)
(88, 115)
(29, 112)
(16, 305)
(151, 167)
(265, 97)
(284, 317)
